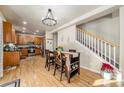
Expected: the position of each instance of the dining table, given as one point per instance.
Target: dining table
(71, 66)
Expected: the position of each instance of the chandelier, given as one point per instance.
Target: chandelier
(49, 19)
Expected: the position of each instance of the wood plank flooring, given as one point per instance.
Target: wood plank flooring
(33, 74)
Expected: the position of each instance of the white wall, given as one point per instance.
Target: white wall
(55, 40)
(106, 27)
(67, 37)
(48, 40)
(122, 40)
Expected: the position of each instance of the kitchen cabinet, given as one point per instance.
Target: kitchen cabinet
(24, 39)
(7, 32)
(21, 40)
(24, 52)
(28, 39)
(11, 58)
(37, 51)
(37, 40)
(14, 40)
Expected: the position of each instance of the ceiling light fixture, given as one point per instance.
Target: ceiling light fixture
(49, 19)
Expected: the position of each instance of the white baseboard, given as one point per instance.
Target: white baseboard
(98, 72)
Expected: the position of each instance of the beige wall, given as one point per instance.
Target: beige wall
(122, 40)
(106, 27)
(67, 35)
(48, 40)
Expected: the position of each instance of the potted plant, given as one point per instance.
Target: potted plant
(60, 48)
(107, 71)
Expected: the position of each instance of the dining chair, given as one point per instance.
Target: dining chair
(59, 63)
(15, 83)
(50, 59)
(72, 50)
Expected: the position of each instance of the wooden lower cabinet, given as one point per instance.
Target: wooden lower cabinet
(37, 51)
(24, 52)
(11, 58)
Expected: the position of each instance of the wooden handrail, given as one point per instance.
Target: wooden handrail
(100, 38)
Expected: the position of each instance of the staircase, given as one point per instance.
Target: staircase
(106, 50)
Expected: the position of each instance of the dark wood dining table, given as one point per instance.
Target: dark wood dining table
(70, 69)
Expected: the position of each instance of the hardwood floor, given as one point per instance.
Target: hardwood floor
(33, 74)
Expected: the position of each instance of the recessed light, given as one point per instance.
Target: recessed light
(23, 31)
(37, 31)
(24, 22)
(24, 28)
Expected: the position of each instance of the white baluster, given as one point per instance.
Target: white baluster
(81, 36)
(84, 38)
(110, 53)
(114, 50)
(105, 50)
(89, 41)
(92, 43)
(101, 48)
(77, 35)
(98, 46)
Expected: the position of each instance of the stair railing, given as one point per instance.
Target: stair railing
(105, 49)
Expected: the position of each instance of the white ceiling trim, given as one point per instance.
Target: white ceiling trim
(100, 11)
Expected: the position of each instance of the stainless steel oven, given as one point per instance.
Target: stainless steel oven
(31, 51)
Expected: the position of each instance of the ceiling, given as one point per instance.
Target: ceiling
(33, 14)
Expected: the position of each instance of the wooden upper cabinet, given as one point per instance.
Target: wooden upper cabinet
(14, 40)
(7, 31)
(21, 39)
(27, 39)
(37, 40)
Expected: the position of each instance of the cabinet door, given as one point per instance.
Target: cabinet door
(15, 58)
(37, 51)
(7, 31)
(24, 51)
(37, 40)
(21, 39)
(17, 39)
(11, 58)
(7, 59)
(13, 36)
